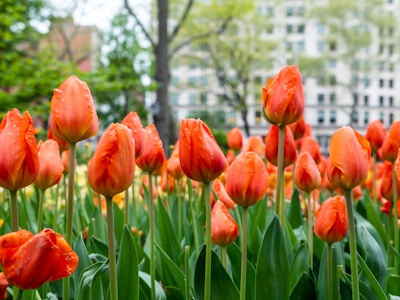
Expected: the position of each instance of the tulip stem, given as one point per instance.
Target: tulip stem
(134, 204)
(395, 220)
(70, 208)
(329, 264)
(310, 229)
(178, 183)
(223, 257)
(187, 273)
(111, 250)
(207, 281)
(353, 246)
(40, 210)
(126, 207)
(19, 293)
(374, 177)
(100, 217)
(191, 200)
(280, 200)
(14, 210)
(244, 255)
(56, 206)
(152, 254)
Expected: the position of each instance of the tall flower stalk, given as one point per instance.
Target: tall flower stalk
(280, 200)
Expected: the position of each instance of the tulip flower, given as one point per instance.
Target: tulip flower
(375, 134)
(298, 128)
(222, 195)
(29, 261)
(254, 144)
(283, 97)
(271, 146)
(391, 143)
(132, 120)
(387, 188)
(306, 175)
(3, 286)
(234, 138)
(311, 145)
(174, 164)
(73, 116)
(62, 145)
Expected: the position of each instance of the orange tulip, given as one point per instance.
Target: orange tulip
(271, 146)
(132, 120)
(283, 97)
(387, 182)
(224, 229)
(255, 144)
(387, 206)
(222, 195)
(391, 143)
(29, 261)
(152, 158)
(62, 145)
(65, 160)
(19, 161)
(298, 128)
(331, 221)
(349, 158)
(51, 166)
(3, 286)
(112, 167)
(235, 139)
(201, 157)
(311, 145)
(306, 175)
(73, 116)
(174, 164)
(247, 179)
(376, 133)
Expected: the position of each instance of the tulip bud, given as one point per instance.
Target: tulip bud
(376, 133)
(271, 146)
(391, 143)
(235, 139)
(306, 175)
(132, 120)
(224, 229)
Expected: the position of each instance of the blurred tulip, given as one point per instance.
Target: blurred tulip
(391, 143)
(298, 128)
(152, 158)
(201, 157)
(349, 158)
(73, 115)
(247, 179)
(174, 164)
(271, 146)
(29, 261)
(65, 160)
(145, 183)
(50, 165)
(132, 120)
(112, 167)
(311, 145)
(167, 182)
(222, 195)
(19, 160)
(306, 175)
(62, 145)
(254, 144)
(224, 229)
(387, 182)
(387, 207)
(3, 286)
(331, 223)
(375, 134)
(234, 138)
(230, 156)
(283, 97)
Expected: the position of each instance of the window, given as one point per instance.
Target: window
(192, 80)
(174, 80)
(355, 99)
(381, 83)
(321, 117)
(289, 11)
(192, 99)
(270, 11)
(203, 98)
(391, 118)
(332, 98)
(289, 28)
(321, 46)
(232, 117)
(300, 11)
(192, 65)
(257, 117)
(332, 63)
(391, 101)
(300, 46)
(332, 46)
(391, 83)
(289, 46)
(203, 81)
(174, 98)
(366, 118)
(321, 98)
(332, 116)
(381, 117)
(354, 117)
(321, 28)
(221, 117)
(300, 28)
(257, 80)
(366, 100)
(381, 100)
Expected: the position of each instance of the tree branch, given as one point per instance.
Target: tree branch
(146, 33)
(181, 21)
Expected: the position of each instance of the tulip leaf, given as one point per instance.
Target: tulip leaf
(373, 217)
(145, 285)
(304, 289)
(300, 264)
(84, 259)
(90, 285)
(293, 213)
(97, 246)
(375, 286)
(393, 284)
(118, 222)
(222, 286)
(323, 273)
(128, 285)
(272, 271)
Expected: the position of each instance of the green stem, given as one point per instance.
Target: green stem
(330, 283)
(395, 220)
(207, 281)
(100, 217)
(126, 207)
(192, 212)
(310, 230)
(179, 211)
(152, 254)
(40, 211)
(134, 205)
(353, 246)
(19, 293)
(280, 200)
(56, 207)
(111, 250)
(14, 211)
(244, 255)
(223, 257)
(70, 208)
(187, 273)
(390, 228)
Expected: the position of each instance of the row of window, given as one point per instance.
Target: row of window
(383, 101)
(355, 118)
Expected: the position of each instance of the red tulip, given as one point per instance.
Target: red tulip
(306, 175)
(247, 179)
(132, 120)
(152, 158)
(391, 143)
(224, 229)
(271, 146)
(331, 221)
(349, 158)
(376, 133)
(51, 166)
(112, 167)
(234, 138)
(73, 116)
(19, 161)
(201, 157)
(387, 182)
(29, 261)
(283, 97)
(3, 286)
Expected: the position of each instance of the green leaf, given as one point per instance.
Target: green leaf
(304, 289)
(374, 219)
(323, 273)
(127, 267)
(145, 284)
(90, 286)
(299, 266)
(293, 212)
(393, 284)
(84, 259)
(379, 293)
(222, 286)
(272, 269)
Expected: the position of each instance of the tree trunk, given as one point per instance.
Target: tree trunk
(243, 113)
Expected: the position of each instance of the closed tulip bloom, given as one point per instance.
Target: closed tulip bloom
(283, 97)
(174, 164)
(29, 261)
(391, 143)
(19, 161)
(73, 115)
(65, 160)
(376, 133)
(51, 166)
(62, 145)
(132, 120)
(224, 229)
(349, 158)
(255, 144)
(298, 128)
(311, 145)
(386, 186)
(247, 179)
(201, 157)
(153, 157)
(222, 195)
(112, 167)
(307, 176)
(234, 138)
(271, 146)
(331, 223)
